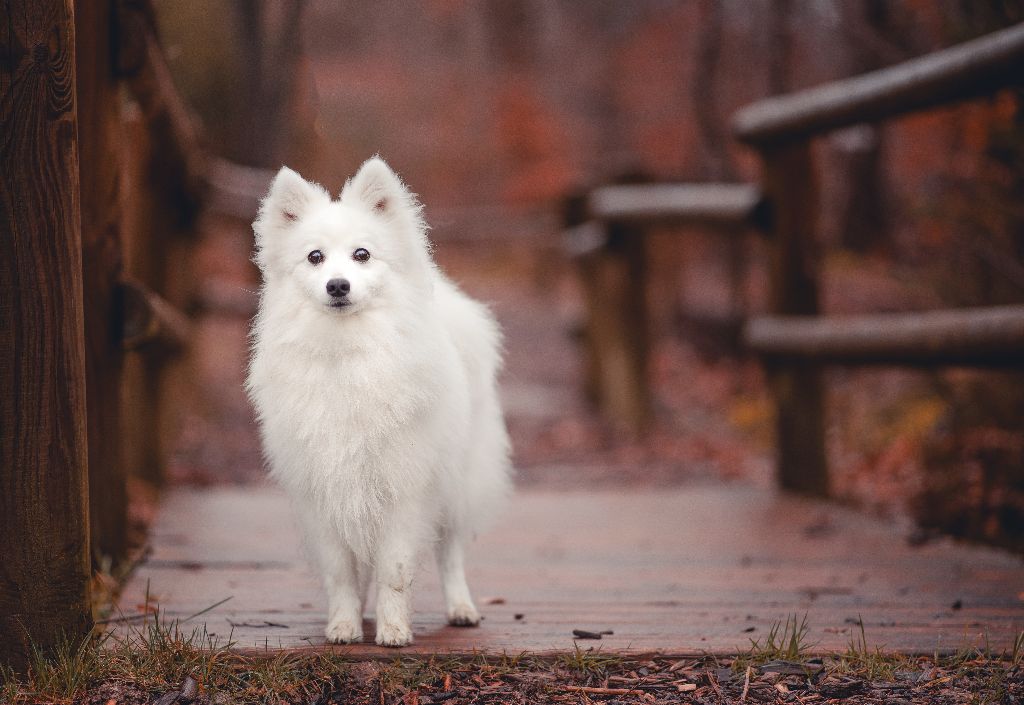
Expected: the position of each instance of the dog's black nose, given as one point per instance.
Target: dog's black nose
(338, 288)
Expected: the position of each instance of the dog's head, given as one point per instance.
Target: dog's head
(345, 255)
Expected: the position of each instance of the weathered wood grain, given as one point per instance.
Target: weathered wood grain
(99, 131)
(681, 571)
(44, 532)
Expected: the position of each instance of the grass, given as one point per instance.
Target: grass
(590, 663)
(867, 662)
(157, 656)
(785, 641)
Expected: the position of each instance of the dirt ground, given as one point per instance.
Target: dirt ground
(591, 677)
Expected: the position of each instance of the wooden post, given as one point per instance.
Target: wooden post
(44, 520)
(163, 168)
(611, 259)
(146, 249)
(614, 283)
(99, 129)
(789, 183)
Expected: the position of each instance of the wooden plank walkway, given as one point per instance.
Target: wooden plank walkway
(680, 571)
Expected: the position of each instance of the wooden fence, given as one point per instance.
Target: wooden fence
(97, 201)
(606, 229)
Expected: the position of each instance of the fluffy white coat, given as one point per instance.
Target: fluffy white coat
(376, 399)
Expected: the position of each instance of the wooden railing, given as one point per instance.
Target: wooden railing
(795, 340)
(605, 233)
(605, 230)
(97, 201)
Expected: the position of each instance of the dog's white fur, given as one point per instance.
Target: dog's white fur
(381, 418)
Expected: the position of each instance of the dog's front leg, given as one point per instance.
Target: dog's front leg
(340, 572)
(395, 569)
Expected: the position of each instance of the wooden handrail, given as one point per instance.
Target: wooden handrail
(712, 204)
(965, 71)
(977, 337)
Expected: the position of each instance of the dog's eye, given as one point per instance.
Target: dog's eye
(315, 257)
(361, 255)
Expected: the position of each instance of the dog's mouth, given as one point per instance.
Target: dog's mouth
(339, 303)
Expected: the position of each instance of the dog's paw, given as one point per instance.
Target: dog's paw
(344, 632)
(463, 614)
(391, 634)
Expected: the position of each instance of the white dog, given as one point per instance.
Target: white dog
(373, 378)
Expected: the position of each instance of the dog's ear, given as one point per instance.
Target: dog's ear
(289, 198)
(378, 189)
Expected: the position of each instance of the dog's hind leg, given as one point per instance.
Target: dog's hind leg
(450, 564)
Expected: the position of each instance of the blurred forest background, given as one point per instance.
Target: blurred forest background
(494, 111)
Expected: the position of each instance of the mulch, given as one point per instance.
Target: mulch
(588, 678)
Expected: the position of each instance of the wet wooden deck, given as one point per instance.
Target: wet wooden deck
(680, 571)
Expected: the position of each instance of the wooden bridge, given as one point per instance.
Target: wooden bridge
(94, 299)
(700, 569)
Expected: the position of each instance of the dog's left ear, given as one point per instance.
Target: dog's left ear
(378, 189)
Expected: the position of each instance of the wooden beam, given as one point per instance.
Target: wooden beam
(729, 205)
(44, 517)
(100, 130)
(142, 63)
(975, 68)
(981, 337)
(150, 322)
(790, 184)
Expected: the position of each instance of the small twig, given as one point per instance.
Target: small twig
(585, 634)
(258, 625)
(746, 685)
(204, 611)
(590, 690)
(677, 665)
(712, 681)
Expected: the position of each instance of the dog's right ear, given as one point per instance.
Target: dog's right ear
(289, 198)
